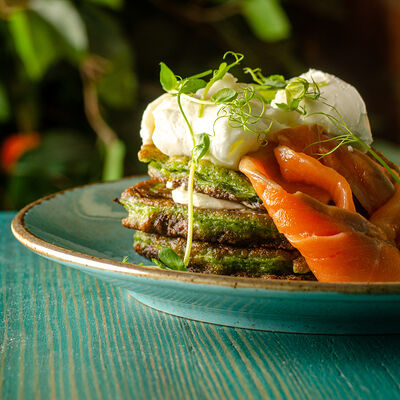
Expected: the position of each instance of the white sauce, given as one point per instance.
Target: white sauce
(200, 200)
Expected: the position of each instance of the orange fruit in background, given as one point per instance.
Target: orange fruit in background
(14, 146)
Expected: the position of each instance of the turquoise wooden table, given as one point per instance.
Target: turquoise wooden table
(66, 335)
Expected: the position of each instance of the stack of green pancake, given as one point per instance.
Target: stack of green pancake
(240, 242)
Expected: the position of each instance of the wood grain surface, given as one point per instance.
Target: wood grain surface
(66, 335)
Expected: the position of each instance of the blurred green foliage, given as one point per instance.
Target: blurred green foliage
(267, 19)
(43, 36)
(40, 35)
(81, 72)
(53, 166)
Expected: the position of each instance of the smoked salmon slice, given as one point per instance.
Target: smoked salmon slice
(296, 167)
(269, 166)
(371, 184)
(339, 244)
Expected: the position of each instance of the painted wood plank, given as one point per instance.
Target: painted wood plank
(66, 335)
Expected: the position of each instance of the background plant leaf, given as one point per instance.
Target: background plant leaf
(65, 19)
(267, 19)
(114, 161)
(118, 85)
(70, 160)
(32, 43)
(37, 43)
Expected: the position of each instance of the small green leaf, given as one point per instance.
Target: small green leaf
(297, 88)
(192, 85)
(224, 67)
(220, 72)
(274, 81)
(267, 19)
(267, 94)
(224, 95)
(200, 150)
(296, 91)
(315, 92)
(114, 161)
(292, 105)
(283, 106)
(171, 260)
(167, 78)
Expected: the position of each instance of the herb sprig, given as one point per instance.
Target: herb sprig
(125, 261)
(296, 91)
(187, 88)
(169, 260)
(244, 108)
(219, 74)
(348, 138)
(245, 111)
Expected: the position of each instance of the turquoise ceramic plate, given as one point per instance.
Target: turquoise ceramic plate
(81, 228)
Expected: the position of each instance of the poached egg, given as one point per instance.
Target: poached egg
(164, 126)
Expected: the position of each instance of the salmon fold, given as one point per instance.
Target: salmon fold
(339, 244)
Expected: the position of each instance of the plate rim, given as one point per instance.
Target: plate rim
(61, 254)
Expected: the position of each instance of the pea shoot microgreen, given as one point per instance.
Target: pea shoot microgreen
(244, 111)
(348, 138)
(272, 82)
(187, 88)
(296, 91)
(167, 78)
(244, 107)
(168, 259)
(200, 150)
(220, 73)
(267, 86)
(125, 261)
(225, 95)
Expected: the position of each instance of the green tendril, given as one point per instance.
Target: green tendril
(347, 138)
(219, 74)
(241, 114)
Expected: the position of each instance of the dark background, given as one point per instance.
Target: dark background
(73, 86)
